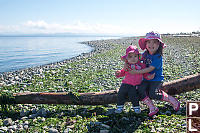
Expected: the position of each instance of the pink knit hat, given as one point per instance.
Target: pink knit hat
(130, 49)
(150, 36)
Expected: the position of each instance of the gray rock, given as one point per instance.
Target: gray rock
(34, 111)
(4, 129)
(20, 126)
(10, 131)
(26, 122)
(24, 118)
(106, 126)
(179, 112)
(53, 130)
(67, 130)
(43, 119)
(24, 113)
(45, 127)
(42, 112)
(26, 127)
(33, 116)
(14, 127)
(110, 111)
(1, 131)
(7, 122)
(168, 112)
(104, 131)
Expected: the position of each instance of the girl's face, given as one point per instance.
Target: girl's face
(152, 46)
(132, 58)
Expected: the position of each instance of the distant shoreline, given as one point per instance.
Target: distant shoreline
(58, 35)
(11, 67)
(97, 45)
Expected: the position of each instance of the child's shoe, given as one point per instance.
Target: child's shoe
(172, 100)
(119, 109)
(152, 108)
(137, 109)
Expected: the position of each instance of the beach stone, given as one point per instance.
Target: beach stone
(5, 129)
(26, 127)
(24, 113)
(7, 122)
(34, 111)
(106, 126)
(33, 116)
(20, 129)
(10, 131)
(178, 112)
(153, 129)
(45, 127)
(35, 119)
(17, 78)
(125, 119)
(168, 112)
(67, 130)
(53, 130)
(14, 127)
(42, 119)
(104, 131)
(20, 126)
(96, 123)
(67, 71)
(24, 118)
(26, 122)
(42, 112)
(110, 111)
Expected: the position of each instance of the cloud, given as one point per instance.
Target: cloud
(38, 24)
(42, 26)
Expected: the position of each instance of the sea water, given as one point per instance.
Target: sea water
(23, 52)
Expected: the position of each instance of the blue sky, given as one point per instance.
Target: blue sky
(129, 17)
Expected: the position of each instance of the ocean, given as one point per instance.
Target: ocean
(23, 52)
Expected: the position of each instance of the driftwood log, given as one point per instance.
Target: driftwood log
(174, 87)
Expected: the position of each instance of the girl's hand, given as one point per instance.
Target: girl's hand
(117, 73)
(151, 76)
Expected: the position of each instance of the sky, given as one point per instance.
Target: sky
(126, 17)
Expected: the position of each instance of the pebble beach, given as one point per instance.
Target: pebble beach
(94, 72)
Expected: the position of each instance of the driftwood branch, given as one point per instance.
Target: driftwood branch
(182, 85)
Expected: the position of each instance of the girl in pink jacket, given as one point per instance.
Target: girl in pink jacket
(131, 82)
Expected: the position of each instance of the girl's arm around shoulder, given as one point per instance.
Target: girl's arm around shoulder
(143, 70)
(147, 76)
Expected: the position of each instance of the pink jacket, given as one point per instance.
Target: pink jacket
(133, 79)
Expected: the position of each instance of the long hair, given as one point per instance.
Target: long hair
(160, 50)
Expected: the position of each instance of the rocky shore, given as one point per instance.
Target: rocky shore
(24, 79)
(92, 72)
(19, 76)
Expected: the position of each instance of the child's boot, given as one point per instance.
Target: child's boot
(137, 109)
(119, 109)
(152, 108)
(173, 101)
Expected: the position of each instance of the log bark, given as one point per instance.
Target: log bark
(182, 85)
